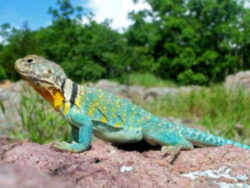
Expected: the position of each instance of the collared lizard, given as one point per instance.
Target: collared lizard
(94, 111)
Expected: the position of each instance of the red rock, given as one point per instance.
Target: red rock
(105, 165)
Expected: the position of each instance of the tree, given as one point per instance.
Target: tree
(191, 41)
(19, 42)
(86, 52)
(242, 42)
(65, 11)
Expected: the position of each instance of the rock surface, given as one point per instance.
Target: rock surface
(104, 165)
(10, 97)
(19, 176)
(147, 94)
(240, 79)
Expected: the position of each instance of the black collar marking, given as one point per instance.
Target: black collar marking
(73, 94)
(62, 86)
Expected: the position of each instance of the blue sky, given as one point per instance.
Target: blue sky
(35, 12)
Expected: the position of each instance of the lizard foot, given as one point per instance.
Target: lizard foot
(170, 150)
(72, 147)
(173, 151)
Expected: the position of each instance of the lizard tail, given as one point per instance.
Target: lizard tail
(201, 138)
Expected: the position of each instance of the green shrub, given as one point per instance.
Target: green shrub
(146, 80)
(3, 75)
(188, 77)
(2, 107)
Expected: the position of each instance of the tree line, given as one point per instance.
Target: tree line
(188, 41)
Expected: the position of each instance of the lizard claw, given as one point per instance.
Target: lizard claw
(72, 147)
(62, 145)
(173, 151)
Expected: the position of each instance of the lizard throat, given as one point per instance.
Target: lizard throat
(54, 97)
(64, 99)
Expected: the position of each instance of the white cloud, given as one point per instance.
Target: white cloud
(1, 39)
(247, 4)
(116, 10)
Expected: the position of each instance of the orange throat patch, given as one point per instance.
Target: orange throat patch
(54, 97)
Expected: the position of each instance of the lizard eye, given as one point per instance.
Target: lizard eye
(30, 60)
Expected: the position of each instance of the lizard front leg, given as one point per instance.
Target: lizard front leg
(81, 134)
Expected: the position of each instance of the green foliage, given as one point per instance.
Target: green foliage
(188, 76)
(99, 53)
(3, 75)
(39, 122)
(20, 43)
(146, 80)
(65, 11)
(193, 42)
(2, 107)
(216, 108)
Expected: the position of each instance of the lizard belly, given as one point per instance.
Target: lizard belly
(119, 135)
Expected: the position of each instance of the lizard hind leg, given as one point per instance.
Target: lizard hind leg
(170, 140)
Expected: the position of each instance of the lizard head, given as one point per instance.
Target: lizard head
(45, 76)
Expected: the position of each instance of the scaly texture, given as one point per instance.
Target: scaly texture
(109, 117)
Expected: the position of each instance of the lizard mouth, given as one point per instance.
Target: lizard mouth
(34, 78)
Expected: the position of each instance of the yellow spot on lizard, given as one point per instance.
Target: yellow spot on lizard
(66, 108)
(78, 101)
(92, 109)
(104, 120)
(117, 125)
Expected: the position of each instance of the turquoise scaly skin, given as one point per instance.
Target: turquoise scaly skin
(109, 117)
(117, 120)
